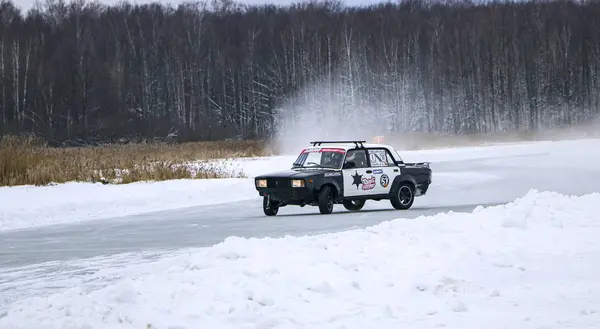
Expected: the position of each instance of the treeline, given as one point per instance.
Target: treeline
(95, 73)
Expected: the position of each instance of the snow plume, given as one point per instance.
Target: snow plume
(315, 113)
(348, 109)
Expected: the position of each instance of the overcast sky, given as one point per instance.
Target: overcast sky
(27, 4)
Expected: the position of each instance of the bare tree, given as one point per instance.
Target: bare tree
(209, 70)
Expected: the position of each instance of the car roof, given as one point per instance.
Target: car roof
(348, 146)
(351, 145)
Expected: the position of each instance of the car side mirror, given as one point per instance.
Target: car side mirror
(349, 165)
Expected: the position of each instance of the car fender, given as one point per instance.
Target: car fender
(401, 179)
(337, 180)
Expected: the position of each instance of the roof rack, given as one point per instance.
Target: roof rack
(357, 143)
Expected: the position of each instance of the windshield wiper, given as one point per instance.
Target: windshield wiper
(314, 163)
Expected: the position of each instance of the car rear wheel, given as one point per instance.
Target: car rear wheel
(326, 200)
(269, 207)
(403, 196)
(353, 205)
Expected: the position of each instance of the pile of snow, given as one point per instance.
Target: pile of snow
(36, 206)
(533, 263)
(501, 150)
(575, 154)
(252, 167)
(259, 165)
(31, 207)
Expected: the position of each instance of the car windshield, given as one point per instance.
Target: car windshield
(320, 158)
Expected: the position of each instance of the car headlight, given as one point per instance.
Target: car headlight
(261, 183)
(297, 183)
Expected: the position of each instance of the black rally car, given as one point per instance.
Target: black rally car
(346, 172)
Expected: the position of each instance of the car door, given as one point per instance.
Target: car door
(358, 177)
(383, 168)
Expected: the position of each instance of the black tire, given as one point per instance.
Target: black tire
(326, 200)
(354, 205)
(269, 208)
(403, 196)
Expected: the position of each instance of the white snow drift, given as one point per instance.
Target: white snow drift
(533, 263)
(30, 207)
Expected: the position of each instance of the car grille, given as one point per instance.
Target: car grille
(278, 182)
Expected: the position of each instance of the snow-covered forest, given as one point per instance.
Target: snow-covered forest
(89, 72)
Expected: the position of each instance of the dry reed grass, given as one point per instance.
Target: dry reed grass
(29, 161)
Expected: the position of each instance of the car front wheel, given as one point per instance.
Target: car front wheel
(269, 207)
(326, 200)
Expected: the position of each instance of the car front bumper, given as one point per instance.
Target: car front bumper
(289, 195)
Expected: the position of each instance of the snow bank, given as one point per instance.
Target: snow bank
(572, 152)
(29, 206)
(35, 206)
(500, 150)
(576, 154)
(255, 166)
(24, 207)
(533, 263)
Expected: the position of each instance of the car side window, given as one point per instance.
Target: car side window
(380, 158)
(356, 159)
(390, 159)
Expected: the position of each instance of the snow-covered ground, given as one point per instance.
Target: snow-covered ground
(30, 207)
(533, 263)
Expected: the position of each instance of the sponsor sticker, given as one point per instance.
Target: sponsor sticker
(320, 150)
(378, 158)
(356, 179)
(333, 150)
(364, 183)
(378, 171)
(384, 180)
(368, 183)
(332, 174)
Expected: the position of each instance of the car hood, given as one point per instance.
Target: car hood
(296, 173)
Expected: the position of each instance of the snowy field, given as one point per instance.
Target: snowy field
(532, 263)
(67, 203)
